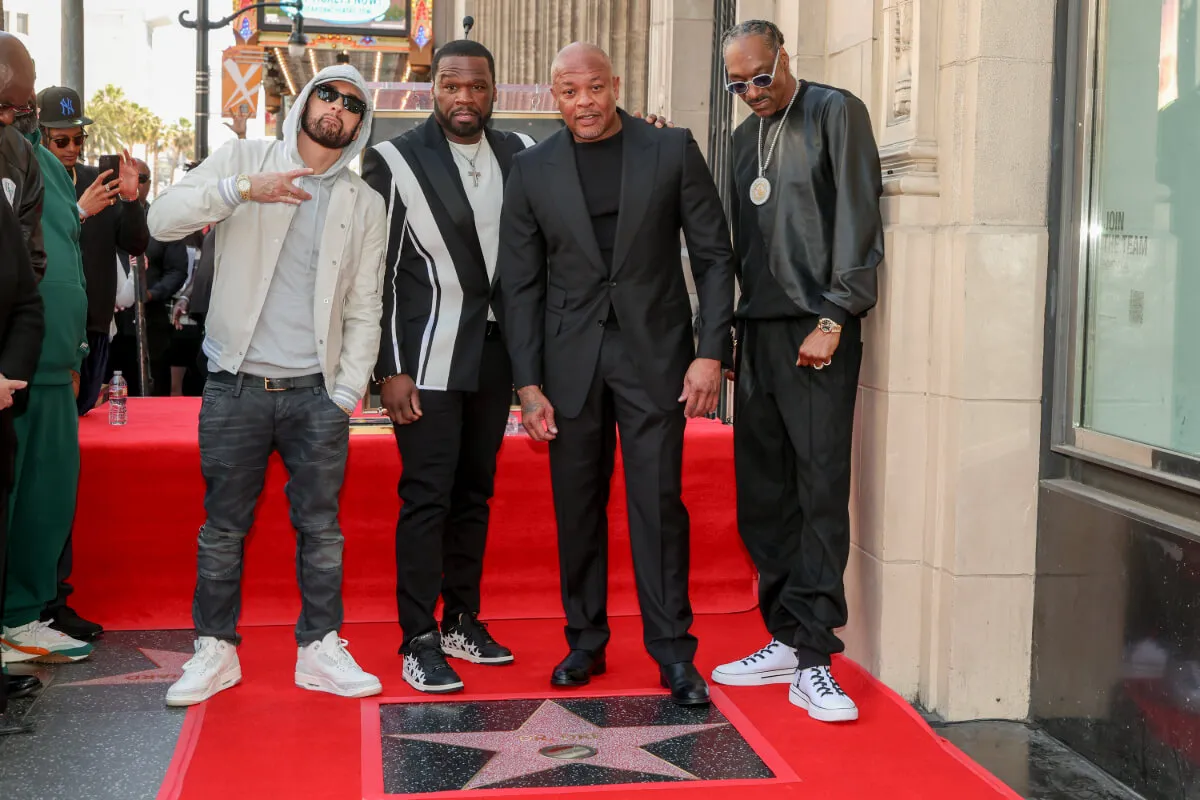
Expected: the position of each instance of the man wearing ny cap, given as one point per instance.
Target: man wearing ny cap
(112, 218)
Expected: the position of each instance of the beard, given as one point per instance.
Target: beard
(327, 133)
(26, 124)
(461, 128)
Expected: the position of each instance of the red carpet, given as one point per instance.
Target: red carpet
(141, 503)
(267, 738)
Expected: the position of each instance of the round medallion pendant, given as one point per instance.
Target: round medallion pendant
(760, 191)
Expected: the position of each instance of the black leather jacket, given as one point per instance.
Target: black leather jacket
(21, 180)
(813, 248)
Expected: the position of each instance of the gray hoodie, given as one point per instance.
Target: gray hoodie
(284, 344)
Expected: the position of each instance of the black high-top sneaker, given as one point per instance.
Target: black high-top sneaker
(465, 637)
(425, 667)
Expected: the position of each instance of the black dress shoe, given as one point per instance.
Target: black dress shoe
(65, 620)
(21, 685)
(578, 668)
(687, 686)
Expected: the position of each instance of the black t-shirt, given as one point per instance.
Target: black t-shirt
(599, 166)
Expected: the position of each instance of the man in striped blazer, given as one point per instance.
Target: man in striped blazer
(447, 381)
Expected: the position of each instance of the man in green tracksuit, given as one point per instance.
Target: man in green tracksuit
(42, 504)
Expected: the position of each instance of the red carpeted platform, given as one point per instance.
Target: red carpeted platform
(266, 738)
(141, 503)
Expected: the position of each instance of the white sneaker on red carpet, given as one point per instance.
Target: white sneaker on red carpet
(816, 690)
(37, 641)
(327, 666)
(775, 663)
(215, 667)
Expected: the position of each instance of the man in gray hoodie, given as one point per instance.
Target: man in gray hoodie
(291, 337)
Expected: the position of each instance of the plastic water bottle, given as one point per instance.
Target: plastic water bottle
(118, 392)
(513, 428)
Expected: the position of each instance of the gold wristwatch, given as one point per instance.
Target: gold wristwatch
(243, 187)
(826, 325)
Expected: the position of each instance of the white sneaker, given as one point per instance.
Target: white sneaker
(37, 641)
(816, 690)
(215, 667)
(327, 666)
(775, 663)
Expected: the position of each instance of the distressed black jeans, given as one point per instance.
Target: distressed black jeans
(240, 426)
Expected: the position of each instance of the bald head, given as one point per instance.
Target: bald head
(16, 76)
(578, 57)
(586, 92)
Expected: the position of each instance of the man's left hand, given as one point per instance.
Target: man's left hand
(701, 386)
(817, 349)
(129, 177)
(656, 120)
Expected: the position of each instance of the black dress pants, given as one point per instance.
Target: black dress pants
(581, 466)
(448, 476)
(792, 443)
(8, 450)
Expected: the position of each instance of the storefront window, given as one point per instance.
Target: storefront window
(1139, 375)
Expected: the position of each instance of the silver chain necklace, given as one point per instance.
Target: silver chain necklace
(473, 173)
(760, 189)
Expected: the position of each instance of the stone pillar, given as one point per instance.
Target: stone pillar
(680, 41)
(947, 442)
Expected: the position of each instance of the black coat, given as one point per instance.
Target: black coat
(120, 226)
(21, 326)
(557, 290)
(19, 164)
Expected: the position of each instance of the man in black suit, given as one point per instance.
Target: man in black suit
(599, 327)
(21, 328)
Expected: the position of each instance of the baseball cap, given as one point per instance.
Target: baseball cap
(60, 107)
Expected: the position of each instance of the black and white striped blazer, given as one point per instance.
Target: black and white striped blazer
(436, 292)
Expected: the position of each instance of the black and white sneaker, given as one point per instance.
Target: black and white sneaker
(775, 663)
(467, 638)
(816, 689)
(425, 667)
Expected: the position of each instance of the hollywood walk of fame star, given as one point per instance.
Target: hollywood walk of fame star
(168, 669)
(553, 729)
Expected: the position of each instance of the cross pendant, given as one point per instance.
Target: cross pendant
(474, 175)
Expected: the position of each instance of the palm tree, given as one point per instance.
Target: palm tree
(120, 122)
(178, 140)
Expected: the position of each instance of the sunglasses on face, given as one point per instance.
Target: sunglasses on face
(19, 111)
(328, 94)
(762, 81)
(62, 142)
(143, 178)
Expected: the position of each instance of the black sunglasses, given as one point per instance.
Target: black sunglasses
(19, 111)
(328, 94)
(761, 81)
(143, 178)
(62, 141)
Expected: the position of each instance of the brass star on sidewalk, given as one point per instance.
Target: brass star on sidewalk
(553, 737)
(168, 669)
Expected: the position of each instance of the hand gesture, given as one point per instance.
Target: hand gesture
(537, 415)
(238, 126)
(401, 400)
(100, 195)
(7, 388)
(278, 187)
(656, 120)
(701, 385)
(128, 177)
(817, 349)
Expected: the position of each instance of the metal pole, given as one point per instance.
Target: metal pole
(201, 79)
(143, 350)
(72, 45)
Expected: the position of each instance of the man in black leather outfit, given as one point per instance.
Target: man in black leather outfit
(809, 239)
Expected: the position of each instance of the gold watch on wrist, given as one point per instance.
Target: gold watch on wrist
(826, 325)
(243, 187)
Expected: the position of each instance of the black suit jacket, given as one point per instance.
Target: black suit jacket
(436, 290)
(21, 326)
(120, 226)
(557, 290)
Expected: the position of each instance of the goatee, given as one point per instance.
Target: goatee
(466, 130)
(331, 136)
